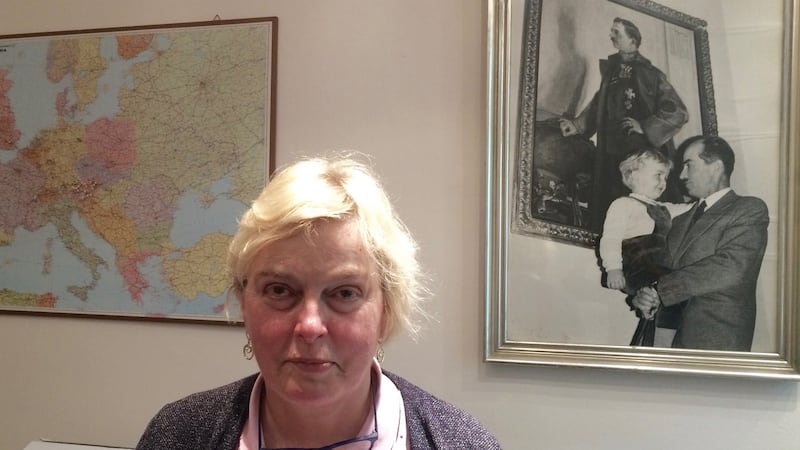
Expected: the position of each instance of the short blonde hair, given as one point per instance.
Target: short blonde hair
(636, 160)
(313, 190)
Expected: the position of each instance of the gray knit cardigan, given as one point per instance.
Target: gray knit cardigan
(214, 419)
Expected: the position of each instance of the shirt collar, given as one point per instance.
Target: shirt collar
(391, 415)
(714, 198)
(643, 198)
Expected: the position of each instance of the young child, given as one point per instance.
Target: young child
(634, 233)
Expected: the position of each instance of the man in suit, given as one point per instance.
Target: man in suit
(715, 251)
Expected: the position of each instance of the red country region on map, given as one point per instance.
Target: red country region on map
(20, 184)
(47, 300)
(112, 142)
(130, 46)
(63, 107)
(129, 269)
(9, 134)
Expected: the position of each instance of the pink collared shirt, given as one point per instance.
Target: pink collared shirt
(392, 432)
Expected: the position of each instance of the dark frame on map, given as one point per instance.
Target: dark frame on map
(252, 140)
(542, 281)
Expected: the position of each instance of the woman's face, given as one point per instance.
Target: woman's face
(314, 310)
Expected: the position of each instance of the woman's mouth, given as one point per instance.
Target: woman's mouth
(311, 365)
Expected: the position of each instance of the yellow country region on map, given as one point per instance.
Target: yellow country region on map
(155, 238)
(108, 217)
(54, 152)
(13, 298)
(62, 56)
(105, 217)
(5, 238)
(60, 215)
(88, 69)
(200, 269)
(199, 109)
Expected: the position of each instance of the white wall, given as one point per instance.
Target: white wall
(404, 81)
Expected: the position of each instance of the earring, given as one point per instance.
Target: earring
(247, 350)
(379, 354)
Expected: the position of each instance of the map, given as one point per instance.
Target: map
(126, 159)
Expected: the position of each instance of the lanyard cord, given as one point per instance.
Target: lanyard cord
(372, 437)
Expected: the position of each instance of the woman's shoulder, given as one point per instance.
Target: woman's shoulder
(434, 422)
(221, 410)
(211, 399)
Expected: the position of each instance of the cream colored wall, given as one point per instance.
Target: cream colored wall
(402, 80)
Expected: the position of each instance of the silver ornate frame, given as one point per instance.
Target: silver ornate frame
(502, 216)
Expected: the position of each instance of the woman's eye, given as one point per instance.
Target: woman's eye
(277, 290)
(279, 296)
(347, 293)
(345, 297)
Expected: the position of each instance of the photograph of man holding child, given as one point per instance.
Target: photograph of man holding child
(683, 249)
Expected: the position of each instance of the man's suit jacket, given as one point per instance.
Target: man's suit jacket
(715, 266)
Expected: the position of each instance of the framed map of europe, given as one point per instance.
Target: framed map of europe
(126, 157)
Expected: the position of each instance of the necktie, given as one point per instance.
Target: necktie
(701, 208)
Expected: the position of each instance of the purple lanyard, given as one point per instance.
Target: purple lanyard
(372, 437)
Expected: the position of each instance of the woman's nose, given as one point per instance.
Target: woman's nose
(310, 323)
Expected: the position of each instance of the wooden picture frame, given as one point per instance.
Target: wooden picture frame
(127, 156)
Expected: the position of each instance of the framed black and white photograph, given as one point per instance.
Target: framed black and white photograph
(640, 185)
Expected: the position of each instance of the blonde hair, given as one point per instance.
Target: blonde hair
(313, 190)
(636, 160)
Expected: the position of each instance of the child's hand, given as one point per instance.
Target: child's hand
(615, 279)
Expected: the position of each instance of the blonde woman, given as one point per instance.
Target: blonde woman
(325, 273)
